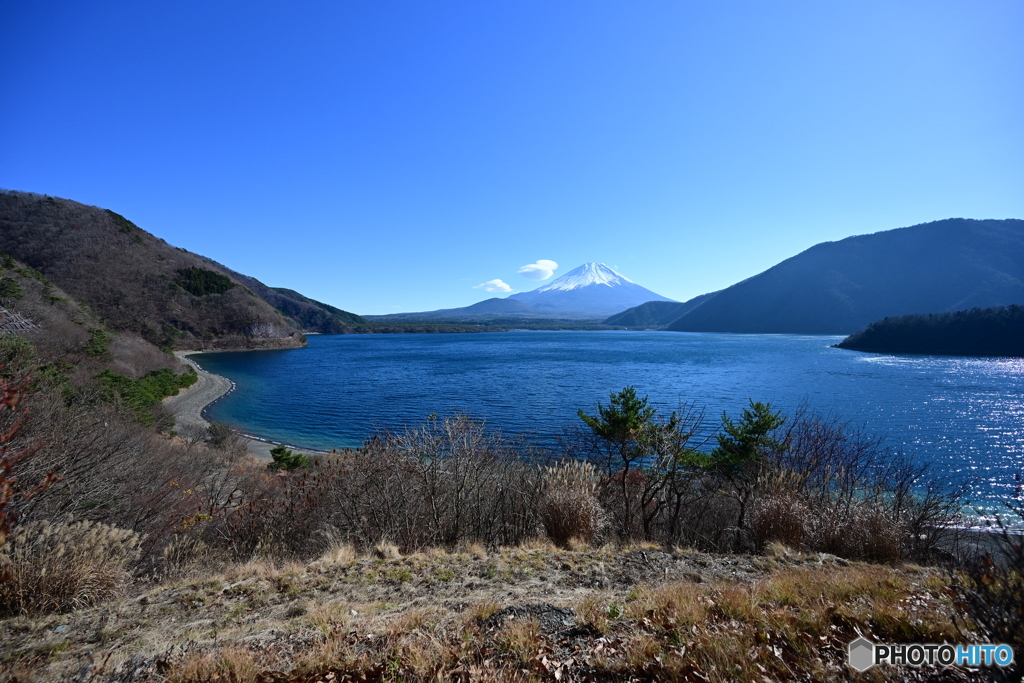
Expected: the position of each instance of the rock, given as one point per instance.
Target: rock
(550, 618)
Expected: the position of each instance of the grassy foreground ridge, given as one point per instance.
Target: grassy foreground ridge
(534, 612)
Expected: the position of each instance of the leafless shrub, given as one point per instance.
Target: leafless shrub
(989, 594)
(107, 468)
(834, 489)
(191, 435)
(442, 484)
(220, 435)
(61, 566)
(816, 484)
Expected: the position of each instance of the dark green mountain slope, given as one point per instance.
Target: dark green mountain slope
(656, 313)
(977, 332)
(137, 282)
(840, 287)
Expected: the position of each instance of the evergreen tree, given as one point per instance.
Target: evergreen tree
(286, 459)
(740, 454)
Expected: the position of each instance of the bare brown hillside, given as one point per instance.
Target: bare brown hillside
(67, 336)
(137, 282)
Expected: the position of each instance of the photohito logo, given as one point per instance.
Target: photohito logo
(864, 654)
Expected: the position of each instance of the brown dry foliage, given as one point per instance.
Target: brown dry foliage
(443, 484)
(571, 508)
(451, 482)
(62, 566)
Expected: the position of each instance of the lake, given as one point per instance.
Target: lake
(964, 415)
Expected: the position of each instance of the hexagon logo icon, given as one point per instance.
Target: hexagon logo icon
(862, 654)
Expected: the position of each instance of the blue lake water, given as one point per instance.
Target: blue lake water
(964, 415)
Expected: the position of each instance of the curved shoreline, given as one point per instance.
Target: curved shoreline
(190, 404)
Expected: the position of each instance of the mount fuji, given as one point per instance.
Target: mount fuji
(591, 291)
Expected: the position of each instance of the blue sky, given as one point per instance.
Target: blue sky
(389, 156)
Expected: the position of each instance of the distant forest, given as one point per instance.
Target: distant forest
(995, 331)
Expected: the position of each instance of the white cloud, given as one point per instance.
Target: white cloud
(541, 270)
(495, 286)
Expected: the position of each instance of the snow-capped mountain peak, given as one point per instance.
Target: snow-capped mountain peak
(591, 291)
(587, 274)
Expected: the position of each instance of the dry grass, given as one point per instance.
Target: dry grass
(231, 664)
(785, 617)
(387, 551)
(792, 625)
(571, 511)
(520, 639)
(58, 567)
(341, 553)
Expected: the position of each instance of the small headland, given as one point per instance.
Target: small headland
(997, 331)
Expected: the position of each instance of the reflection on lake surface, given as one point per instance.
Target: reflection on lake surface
(964, 415)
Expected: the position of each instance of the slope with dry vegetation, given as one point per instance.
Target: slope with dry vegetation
(534, 612)
(137, 283)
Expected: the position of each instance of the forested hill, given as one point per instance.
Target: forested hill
(138, 283)
(977, 332)
(840, 287)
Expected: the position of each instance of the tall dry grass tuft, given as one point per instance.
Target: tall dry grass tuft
(571, 510)
(863, 527)
(520, 639)
(386, 550)
(339, 553)
(779, 514)
(862, 530)
(62, 566)
(185, 555)
(231, 665)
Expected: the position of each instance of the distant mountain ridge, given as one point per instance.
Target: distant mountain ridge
(841, 287)
(590, 292)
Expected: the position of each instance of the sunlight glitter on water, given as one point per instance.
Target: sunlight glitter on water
(963, 415)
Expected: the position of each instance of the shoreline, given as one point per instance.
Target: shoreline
(190, 404)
